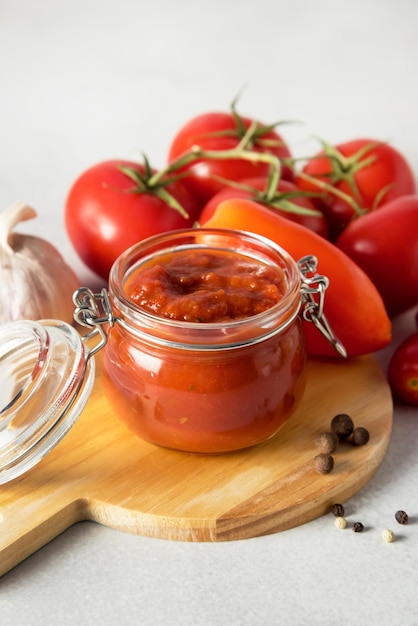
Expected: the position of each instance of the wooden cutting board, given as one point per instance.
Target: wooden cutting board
(101, 472)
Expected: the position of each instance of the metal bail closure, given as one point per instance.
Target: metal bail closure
(313, 296)
(93, 310)
(46, 378)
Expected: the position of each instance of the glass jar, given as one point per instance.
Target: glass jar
(196, 387)
(205, 387)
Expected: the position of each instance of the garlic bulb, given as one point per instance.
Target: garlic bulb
(35, 281)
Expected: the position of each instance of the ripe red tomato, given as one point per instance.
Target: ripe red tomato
(108, 210)
(403, 371)
(224, 131)
(287, 200)
(370, 172)
(384, 244)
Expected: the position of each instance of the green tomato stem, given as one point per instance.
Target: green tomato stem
(196, 153)
(333, 191)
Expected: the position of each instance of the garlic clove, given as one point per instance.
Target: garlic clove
(36, 282)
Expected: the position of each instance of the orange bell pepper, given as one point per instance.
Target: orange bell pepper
(353, 306)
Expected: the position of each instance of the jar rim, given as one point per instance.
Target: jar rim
(247, 243)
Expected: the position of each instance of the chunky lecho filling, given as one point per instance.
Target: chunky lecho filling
(205, 286)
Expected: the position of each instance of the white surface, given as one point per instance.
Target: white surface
(83, 81)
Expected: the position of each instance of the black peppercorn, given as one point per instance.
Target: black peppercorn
(342, 425)
(358, 527)
(337, 510)
(401, 517)
(327, 442)
(360, 436)
(324, 463)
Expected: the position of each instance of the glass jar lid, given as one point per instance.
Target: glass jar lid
(46, 379)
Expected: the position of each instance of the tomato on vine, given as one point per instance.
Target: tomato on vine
(114, 204)
(365, 173)
(220, 131)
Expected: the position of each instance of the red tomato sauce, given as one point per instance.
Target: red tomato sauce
(205, 286)
(206, 400)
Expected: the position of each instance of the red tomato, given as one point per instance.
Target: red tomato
(384, 244)
(370, 172)
(353, 305)
(287, 200)
(108, 210)
(403, 371)
(224, 131)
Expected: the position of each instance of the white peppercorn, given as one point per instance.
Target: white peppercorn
(388, 535)
(340, 522)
